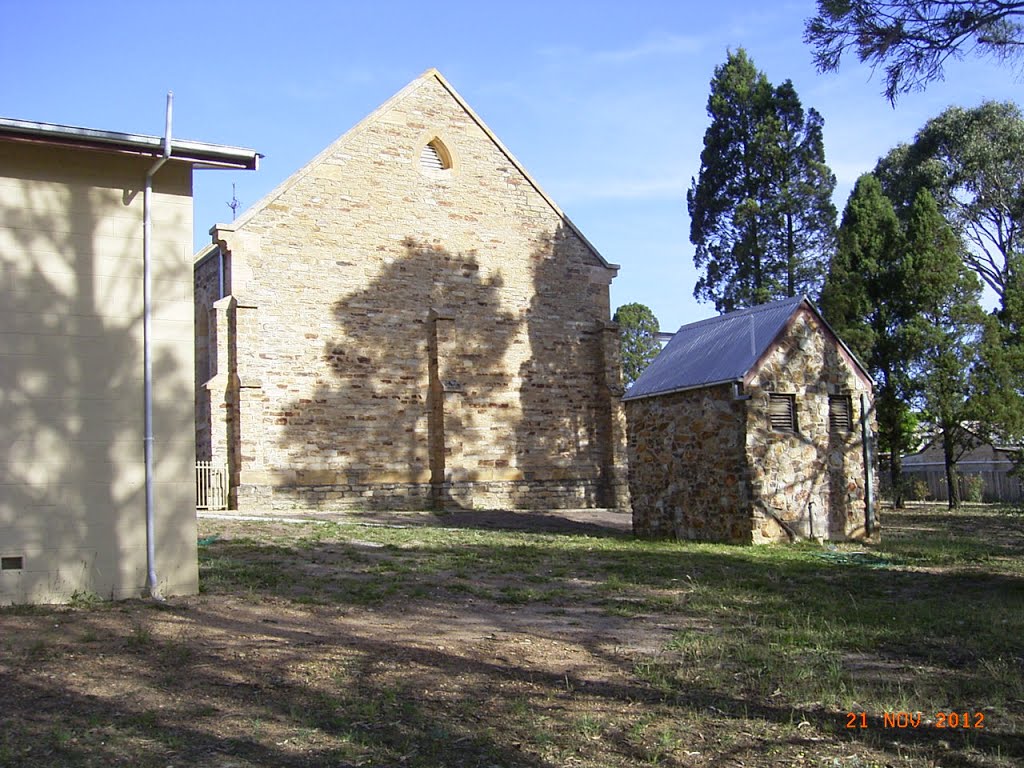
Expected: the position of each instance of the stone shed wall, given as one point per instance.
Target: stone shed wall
(809, 483)
(407, 337)
(688, 476)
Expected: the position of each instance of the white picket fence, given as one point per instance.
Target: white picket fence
(211, 486)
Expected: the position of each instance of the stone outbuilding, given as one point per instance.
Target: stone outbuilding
(409, 322)
(74, 235)
(749, 427)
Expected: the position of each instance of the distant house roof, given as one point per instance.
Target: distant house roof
(196, 152)
(970, 442)
(721, 349)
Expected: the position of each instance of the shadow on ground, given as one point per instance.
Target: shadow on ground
(431, 645)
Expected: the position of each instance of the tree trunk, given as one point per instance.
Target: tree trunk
(758, 275)
(790, 257)
(896, 478)
(952, 481)
(889, 427)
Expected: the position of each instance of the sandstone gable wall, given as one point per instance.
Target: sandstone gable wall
(412, 337)
(811, 481)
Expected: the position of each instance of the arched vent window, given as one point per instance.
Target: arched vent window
(434, 157)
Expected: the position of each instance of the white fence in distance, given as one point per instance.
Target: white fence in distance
(998, 484)
(211, 486)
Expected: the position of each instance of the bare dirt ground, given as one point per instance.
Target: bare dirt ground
(399, 668)
(232, 680)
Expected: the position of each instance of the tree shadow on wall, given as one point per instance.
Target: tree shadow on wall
(71, 395)
(826, 473)
(564, 439)
(448, 370)
(399, 407)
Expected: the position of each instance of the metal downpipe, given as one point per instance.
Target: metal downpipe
(869, 480)
(152, 584)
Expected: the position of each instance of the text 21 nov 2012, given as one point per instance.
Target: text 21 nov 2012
(915, 720)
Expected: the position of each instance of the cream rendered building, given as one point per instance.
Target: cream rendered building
(72, 474)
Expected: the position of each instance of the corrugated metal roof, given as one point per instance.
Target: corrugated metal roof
(715, 350)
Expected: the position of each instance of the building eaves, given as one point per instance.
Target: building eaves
(200, 154)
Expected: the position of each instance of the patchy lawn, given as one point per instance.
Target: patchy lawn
(441, 644)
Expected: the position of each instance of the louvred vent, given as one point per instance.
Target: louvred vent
(840, 413)
(431, 159)
(782, 412)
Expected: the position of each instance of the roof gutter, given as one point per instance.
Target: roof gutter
(152, 584)
(200, 154)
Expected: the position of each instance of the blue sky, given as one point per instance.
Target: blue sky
(603, 102)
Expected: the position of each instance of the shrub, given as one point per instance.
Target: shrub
(972, 488)
(917, 489)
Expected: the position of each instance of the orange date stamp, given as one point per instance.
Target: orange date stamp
(958, 720)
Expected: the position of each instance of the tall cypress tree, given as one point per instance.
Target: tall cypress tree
(800, 202)
(906, 304)
(865, 299)
(638, 330)
(761, 215)
(943, 335)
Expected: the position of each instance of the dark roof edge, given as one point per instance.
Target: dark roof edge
(198, 152)
(687, 388)
(204, 254)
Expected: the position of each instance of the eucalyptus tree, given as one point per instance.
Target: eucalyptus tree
(972, 161)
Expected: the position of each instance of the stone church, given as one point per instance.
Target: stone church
(409, 321)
